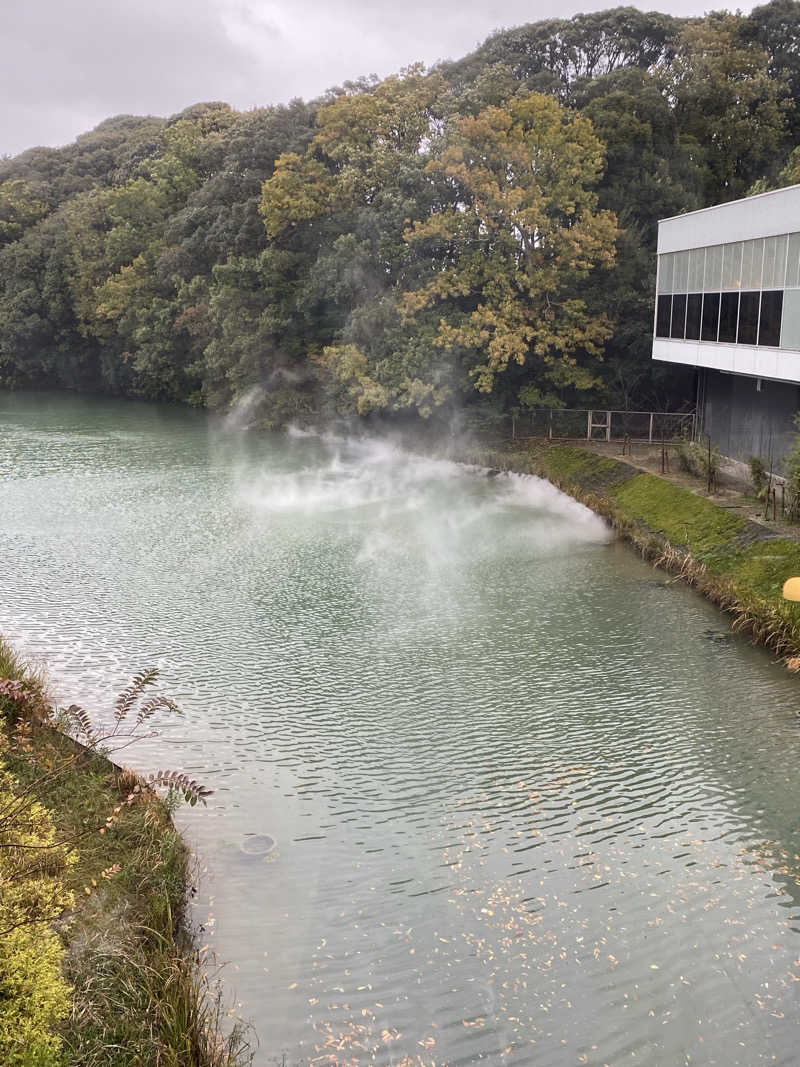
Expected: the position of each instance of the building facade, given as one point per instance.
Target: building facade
(728, 303)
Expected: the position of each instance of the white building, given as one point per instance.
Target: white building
(728, 303)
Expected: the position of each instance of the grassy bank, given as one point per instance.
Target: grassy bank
(738, 564)
(96, 965)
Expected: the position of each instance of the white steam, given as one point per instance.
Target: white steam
(394, 501)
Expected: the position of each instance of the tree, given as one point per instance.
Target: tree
(730, 112)
(773, 27)
(517, 231)
(340, 211)
(19, 210)
(553, 55)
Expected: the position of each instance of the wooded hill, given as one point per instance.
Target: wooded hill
(482, 232)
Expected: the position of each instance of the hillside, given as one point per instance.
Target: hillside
(482, 232)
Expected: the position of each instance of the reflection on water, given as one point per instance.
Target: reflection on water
(485, 788)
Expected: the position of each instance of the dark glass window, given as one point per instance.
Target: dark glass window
(728, 314)
(771, 310)
(694, 307)
(710, 317)
(678, 316)
(663, 316)
(748, 318)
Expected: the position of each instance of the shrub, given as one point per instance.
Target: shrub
(686, 460)
(758, 476)
(75, 830)
(696, 459)
(792, 479)
(33, 994)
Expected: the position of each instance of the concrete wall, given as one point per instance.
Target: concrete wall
(740, 418)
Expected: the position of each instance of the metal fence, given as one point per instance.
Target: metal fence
(599, 425)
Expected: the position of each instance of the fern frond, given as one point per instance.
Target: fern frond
(189, 788)
(78, 718)
(154, 704)
(128, 697)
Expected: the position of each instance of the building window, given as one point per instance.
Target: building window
(665, 269)
(712, 275)
(769, 333)
(749, 304)
(793, 263)
(728, 317)
(736, 293)
(732, 266)
(752, 263)
(663, 316)
(774, 263)
(790, 320)
(710, 317)
(680, 279)
(694, 309)
(697, 265)
(678, 330)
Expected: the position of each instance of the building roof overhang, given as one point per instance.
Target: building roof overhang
(765, 215)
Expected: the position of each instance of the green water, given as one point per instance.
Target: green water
(525, 809)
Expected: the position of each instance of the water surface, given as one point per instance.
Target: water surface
(525, 809)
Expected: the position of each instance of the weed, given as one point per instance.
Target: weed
(758, 476)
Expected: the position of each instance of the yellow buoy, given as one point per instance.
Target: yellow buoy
(791, 589)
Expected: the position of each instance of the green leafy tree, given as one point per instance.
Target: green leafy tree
(773, 27)
(730, 111)
(19, 210)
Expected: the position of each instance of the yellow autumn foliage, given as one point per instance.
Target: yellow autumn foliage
(33, 994)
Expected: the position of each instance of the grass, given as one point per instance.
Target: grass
(762, 567)
(140, 994)
(679, 515)
(13, 665)
(586, 468)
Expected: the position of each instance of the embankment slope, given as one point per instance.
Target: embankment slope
(739, 564)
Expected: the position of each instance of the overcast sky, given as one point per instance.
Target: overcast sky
(67, 64)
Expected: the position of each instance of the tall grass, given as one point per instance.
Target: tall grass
(13, 665)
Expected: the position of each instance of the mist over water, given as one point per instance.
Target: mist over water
(523, 809)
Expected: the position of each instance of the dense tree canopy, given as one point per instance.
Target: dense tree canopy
(481, 233)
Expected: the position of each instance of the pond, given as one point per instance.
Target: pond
(487, 787)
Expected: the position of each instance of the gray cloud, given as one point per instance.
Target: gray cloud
(67, 64)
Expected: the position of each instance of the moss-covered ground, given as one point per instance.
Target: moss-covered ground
(684, 519)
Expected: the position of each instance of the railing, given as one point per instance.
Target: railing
(600, 425)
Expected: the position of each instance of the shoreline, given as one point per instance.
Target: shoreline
(101, 966)
(737, 564)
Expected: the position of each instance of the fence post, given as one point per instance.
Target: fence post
(608, 426)
(589, 426)
(550, 426)
(650, 436)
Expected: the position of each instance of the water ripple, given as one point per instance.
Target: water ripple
(522, 809)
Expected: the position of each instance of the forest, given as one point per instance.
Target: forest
(480, 233)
